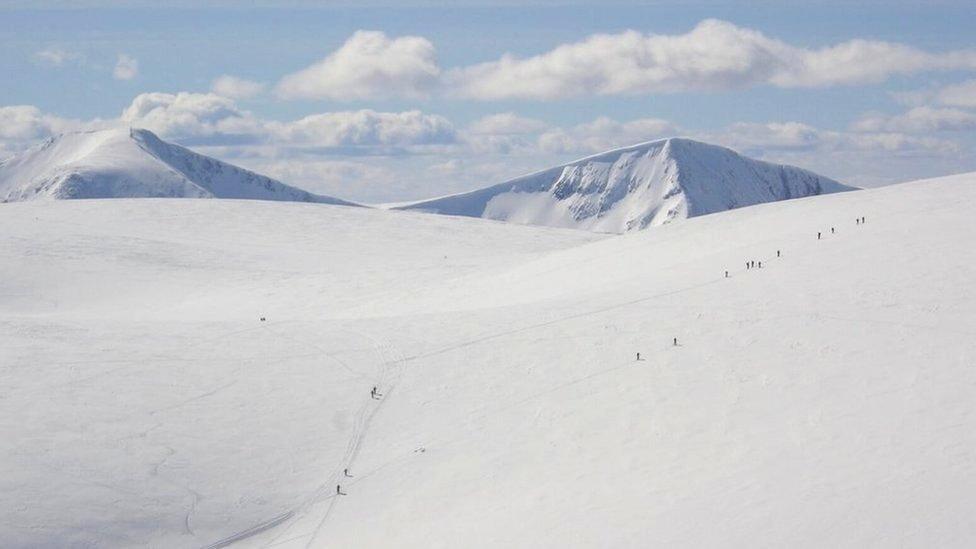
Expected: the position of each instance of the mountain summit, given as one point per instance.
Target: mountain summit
(130, 163)
(636, 187)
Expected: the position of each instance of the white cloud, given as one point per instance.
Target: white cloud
(368, 65)
(506, 123)
(367, 128)
(236, 88)
(959, 95)
(715, 55)
(918, 120)
(126, 67)
(189, 115)
(57, 57)
(207, 118)
(603, 134)
(23, 125)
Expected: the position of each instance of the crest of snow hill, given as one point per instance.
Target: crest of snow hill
(617, 191)
(636, 187)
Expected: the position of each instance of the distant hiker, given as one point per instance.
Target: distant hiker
(262, 319)
(862, 220)
(638, 356)
(777, 253)
(831, 230)
(374, 394)
(675, 342)
(747, 265)
(857, 221)
(339, 491)
(760, 264)
(726, 274)
(345, 473)
(818, 236)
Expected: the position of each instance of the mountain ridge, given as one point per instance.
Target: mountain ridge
(134, 163)
(635, 187)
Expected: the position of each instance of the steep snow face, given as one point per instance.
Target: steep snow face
(636, 187)
(131, 163)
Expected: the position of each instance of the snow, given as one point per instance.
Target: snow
(123, 162)
(635, 187)
(823, 400)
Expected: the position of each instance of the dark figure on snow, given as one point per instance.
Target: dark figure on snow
(818, 236)
(777, 253)
(831, 230)
(339, 491)
(675, 342)
(857, 221)
(747, 265)
(726, 274)
(345, 473)
(862, 220)
(375, 394)
(760, 264)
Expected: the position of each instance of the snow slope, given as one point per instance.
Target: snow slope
(124, 163)
(826, 399)
(636, 187)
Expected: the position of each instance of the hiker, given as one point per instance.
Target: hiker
(760, 264)
(345, 473)
(777, 253)
(638, 356)
(675, 342)
(339, 491)
(726, 274)
(862, 220)
(857, 221)
(374, 394)
(818, 236)
(831, 230)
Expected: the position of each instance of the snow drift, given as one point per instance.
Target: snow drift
(636, 187)
(133, 163)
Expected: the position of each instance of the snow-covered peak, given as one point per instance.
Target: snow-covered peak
(131, 163)
(635, 187)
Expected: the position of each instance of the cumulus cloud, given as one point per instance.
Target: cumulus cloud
(603, 134)
(506, 123)
(959, 95)
(213, 120)
(369, 65)
(923, 119)
(126, 67)
(367, 128)
(25, 124)
(190, 116)
(57, 57)
(714, 55)
(236, 88)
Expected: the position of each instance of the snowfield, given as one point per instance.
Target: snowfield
(823, 400)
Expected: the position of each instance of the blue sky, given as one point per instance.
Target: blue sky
(442, 98)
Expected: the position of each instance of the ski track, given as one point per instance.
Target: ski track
(391, 364)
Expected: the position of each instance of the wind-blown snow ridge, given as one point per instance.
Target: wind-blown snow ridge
(636, 187)
(133, 163)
